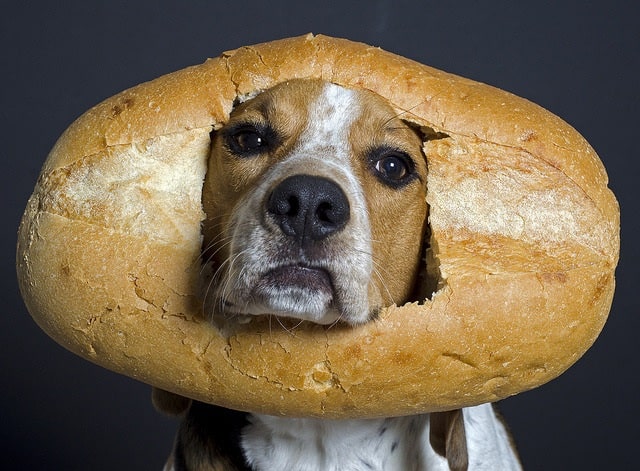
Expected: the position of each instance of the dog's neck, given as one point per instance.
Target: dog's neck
(335, 445)
(212, 438)
(401, 443)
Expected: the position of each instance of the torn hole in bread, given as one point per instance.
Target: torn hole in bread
(430, 279)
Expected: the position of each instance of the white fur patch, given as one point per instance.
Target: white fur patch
(333, 445)
(394, 444)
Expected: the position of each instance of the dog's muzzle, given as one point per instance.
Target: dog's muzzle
(301, 251)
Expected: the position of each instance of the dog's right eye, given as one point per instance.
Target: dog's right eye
(247, 141)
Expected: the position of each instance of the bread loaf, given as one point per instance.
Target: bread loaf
(524, 231)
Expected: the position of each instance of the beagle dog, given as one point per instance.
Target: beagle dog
(318, 213)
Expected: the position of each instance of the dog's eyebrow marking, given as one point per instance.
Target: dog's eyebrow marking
(266, 109)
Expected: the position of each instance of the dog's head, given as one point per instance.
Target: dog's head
(315, 203)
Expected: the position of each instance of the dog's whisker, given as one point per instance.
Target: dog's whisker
(220, 292)
(210, 259)
(335, 323)
(217, 228)
(221, 238)
(225, 289)
(200, 258)
(377, 273)
(212, 245)
(380, 272)
(289, 330)
(408, 111)
(211, 287)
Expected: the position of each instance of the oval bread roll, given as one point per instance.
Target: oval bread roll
(524, 231)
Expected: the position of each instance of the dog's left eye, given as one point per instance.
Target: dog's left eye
(249, 140)
(393, 167)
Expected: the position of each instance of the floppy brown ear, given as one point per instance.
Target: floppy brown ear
(169, 403)
(448, 438)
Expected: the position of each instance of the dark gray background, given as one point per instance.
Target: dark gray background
(578, 59)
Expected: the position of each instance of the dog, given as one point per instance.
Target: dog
(317, 197)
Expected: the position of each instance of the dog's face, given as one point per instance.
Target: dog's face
(315, 203)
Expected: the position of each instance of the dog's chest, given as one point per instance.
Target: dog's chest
(273, 443)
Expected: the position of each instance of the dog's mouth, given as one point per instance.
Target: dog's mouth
(298, 291)
(297, 276)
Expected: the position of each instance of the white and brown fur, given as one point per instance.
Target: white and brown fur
(316, 196)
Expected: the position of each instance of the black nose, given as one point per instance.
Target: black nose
(308, 208)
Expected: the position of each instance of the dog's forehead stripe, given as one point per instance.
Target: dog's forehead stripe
(330, 117)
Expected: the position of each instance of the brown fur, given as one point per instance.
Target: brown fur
(395, 215)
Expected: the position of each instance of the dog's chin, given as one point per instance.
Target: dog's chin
(296, 292)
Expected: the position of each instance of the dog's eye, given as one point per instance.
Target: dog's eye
(249, 140)
(393, 167)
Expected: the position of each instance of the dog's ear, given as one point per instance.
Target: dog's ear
(169, 403)
(448, 438)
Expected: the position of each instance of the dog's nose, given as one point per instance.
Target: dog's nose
(308, 207)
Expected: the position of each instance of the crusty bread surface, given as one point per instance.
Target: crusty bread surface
(524, 231)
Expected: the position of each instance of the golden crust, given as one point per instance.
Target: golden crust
(525, 230)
